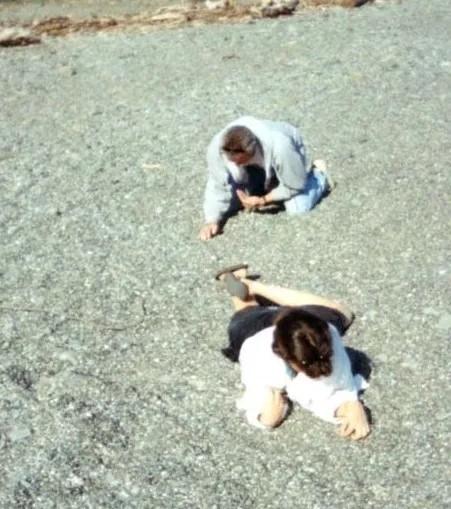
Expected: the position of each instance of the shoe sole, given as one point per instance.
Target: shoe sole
(235, 287)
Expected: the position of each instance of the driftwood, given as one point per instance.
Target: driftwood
(17, 37)
(208, 12)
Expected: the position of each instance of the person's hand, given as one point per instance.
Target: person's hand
(250, 202)
(353, 420)
(208, 231)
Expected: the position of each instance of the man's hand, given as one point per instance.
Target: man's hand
(208, 231)
(250, 202)
(353, 420)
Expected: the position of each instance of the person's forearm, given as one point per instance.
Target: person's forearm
(213, 210)
(274, 409)
(280, 193)
(275, 196)
(217, 200)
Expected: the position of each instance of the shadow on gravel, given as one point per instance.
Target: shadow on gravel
(361, 364)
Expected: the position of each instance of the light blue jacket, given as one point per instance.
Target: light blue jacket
(284, 156)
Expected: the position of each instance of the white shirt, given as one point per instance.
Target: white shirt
(262, 368)
(324, 395)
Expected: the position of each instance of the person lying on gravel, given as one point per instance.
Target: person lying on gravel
(253, 164)
(292, 349)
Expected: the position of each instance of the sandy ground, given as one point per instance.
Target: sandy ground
(113, 391)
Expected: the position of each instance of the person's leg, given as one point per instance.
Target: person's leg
(318, 184)
(239, 304)
(245, 323)
(288, 297)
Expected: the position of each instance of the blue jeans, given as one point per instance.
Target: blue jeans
(315, 188)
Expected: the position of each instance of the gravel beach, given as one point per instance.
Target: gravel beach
(113, 390)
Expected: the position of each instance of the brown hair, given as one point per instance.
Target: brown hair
(304, 342)
(240, 139)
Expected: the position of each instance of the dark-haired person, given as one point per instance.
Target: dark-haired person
(292, 348)
(253, 163)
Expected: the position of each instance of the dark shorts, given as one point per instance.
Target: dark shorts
(249, 321)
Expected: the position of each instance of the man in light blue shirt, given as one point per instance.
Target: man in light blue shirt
(253, 163)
